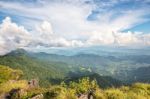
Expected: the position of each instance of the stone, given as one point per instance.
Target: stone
(40, 96)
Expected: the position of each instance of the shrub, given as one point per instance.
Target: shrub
(6, 87)
(115, 94)
(7, 73)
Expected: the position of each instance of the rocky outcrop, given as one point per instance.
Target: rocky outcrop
(85, 96)
(40, 96)
(13, 94)
(88, 95)
(2, 96)
(34, 83)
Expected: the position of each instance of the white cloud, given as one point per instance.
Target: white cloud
(45, 27)
(120, 39)
(12, 36)
(46, 36)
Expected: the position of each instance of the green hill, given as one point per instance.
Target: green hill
(141, 74)
(50, 72)
(102, 81)
(34, 68)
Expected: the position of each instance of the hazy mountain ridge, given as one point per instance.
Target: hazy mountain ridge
(116, 66)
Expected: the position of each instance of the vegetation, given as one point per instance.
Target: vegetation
(103, 81)
(124, 66)
(59, 80)
(73, 90)
(9, 79)
(7, 73)
(51, 72)
(46, 72)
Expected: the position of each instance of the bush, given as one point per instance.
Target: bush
(115, 94)
(7, 73)
(6, 87)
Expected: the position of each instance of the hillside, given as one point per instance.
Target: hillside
(50, 72)
(14, 88)
(141, 74)
(56, 68)
(102, 81)
(34, 68)
(116, 66)
(7, 73)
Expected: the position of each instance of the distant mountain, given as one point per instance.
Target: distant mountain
(116, 66)
(78, 59)
(18, 52)
(53, 68)
(101, 50)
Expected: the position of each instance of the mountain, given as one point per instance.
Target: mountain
(115, 66)
(101, 50)
(54, 68)
(50, 71)
(35, 68)
(79, 59)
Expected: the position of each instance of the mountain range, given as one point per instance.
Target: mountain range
(55, 68)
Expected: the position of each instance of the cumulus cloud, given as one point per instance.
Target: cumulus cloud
(46, 37)
(45, 27)
(120, 39)
(12, 36)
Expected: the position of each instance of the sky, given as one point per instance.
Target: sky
(41, 24)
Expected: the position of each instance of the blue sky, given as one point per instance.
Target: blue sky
(73, 23)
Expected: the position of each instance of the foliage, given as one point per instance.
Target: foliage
(102, 81)
(50, 72)
(34, 68)
(74, 89)
(7, 86)
(7, 73)
(83, 86)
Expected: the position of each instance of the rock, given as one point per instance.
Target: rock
(83, 96)
(40, 96)
(3, 96)
(13, 94)
(88, 95)
(34, 83)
